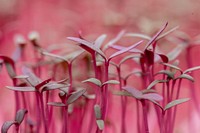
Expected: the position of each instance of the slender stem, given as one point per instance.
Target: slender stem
(175, 108)
(70, 77)
(65, 119)
(123, 129)
(48, 117)
(43, 112)
(192, 90)
(38, 112)
(169, 111)
(17, 100)
(162, 128)
(145, 119)
(138, 117)
(97, 91)
(105, 91)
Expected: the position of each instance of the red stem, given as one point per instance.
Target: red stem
(123, 102)
(145, 119)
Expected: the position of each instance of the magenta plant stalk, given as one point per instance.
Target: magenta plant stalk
(43, 113)
(145, 117)
(123, 103)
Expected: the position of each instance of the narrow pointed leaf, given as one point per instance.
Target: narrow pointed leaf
(172, 66)
(94, 81)
(192, 69)
(166, 72)
(138, 35)
(97, 111)
(38, 86)
(75, 96)
(175, 102)
(21, 77)
(32, 79)
(115, 40)
(54, 56)
(20, 115)
(136, 72)
(23, 89)
(72, 56)
(156, 36)
(135, 50)
(135, 93)
(164, 58)
(154, 83)
(186, 76)
(152, 96)
(110, 82)
(54, 86)
(166, 33)
(100, 124)
(122, 93)
(124, 50)
(57, 104)
(65, 89)
(148, 91)
(90, 47)
(6, 125)
(99, 41)
(128, 57)
(10, 65)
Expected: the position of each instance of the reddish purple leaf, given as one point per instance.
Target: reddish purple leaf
(156, 36)
(135, 93)
(164, 58)
(38, 86)
(149, 57)
(152, 96)
(166, 33)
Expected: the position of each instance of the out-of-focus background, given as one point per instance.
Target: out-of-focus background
(57, 19)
